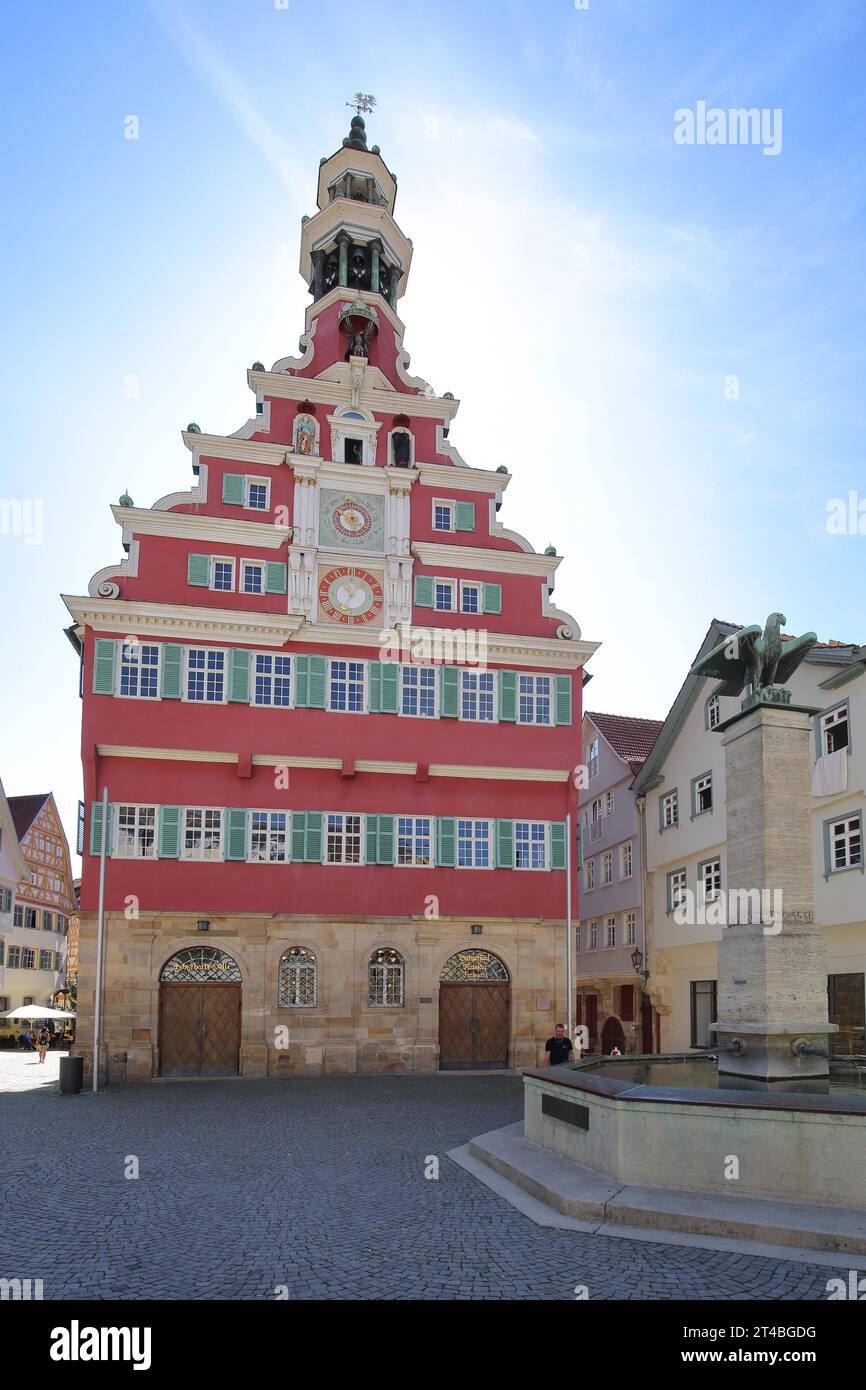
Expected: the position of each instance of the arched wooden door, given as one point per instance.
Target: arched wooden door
(474, 1011)
(199, 1014)
(612, 1036)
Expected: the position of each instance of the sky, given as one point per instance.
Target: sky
(662, 341)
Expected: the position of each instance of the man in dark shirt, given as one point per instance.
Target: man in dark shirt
(559, 1048)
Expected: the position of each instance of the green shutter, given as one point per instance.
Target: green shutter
(390, 682)
(446, 842)
(505, 844)
(104, 658)
(236, 833)
(96, 829)
(313, 838)
(299, 835)
(234, 487)
(171, 675)
(239, 676)
(375, 688)
(310, 678)
(423, 591)
(449, 692)
(557, 844)
(492, 598)
(169, 832)
(198, 570)
(371, 849)
(386, 840)
(275, 577)
(465, 516)
(563, 699)
(508, 695)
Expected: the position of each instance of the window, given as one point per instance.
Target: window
(222, 574)
(272, 686)
(344, 840)
(676, 889)
(443, 515)
(596, 815)
(139, 670)
(577, 938)
(46, 960)
(62, 924)
(473, 844)
(625, 860)
(630, 924)
(353, 451)
(135, 837)
(710, 879)
(470, 596)
(609, 803)
(529, 844)
(48, 921)
(593, 936)
(413, 839)
(534, 699)
(14, 959)
(670, 810)
(269, 837)
(592, 758)
(347, 686)
(444, 595)
(252, 577)
(607, 868)
(845, 843)
(30, 918)
(18, 916)
(419, 691)
(713, 712)
(257, 494)
(28, 958)
(205, 675)
(703, 1009)
(702, 794)
(476, 695)
(609, 932)
(834, 730)
(385, 980)
(298, 979)
(5, 900)
(589, 874)
(202, 834)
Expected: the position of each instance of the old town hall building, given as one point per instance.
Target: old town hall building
(337, 715)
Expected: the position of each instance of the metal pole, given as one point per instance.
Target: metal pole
(569, 951)
(100, 941)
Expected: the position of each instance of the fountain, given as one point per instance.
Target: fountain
(678, 1142)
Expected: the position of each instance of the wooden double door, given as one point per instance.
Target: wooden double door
(473, 1025)
(199, 1030)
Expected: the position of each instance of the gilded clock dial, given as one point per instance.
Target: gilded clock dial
(351, 519)
(348, 594)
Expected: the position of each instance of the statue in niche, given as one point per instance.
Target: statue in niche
(305, 435)
(359, 340)
(401, 447)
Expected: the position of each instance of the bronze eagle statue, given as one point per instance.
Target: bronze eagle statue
(752, 658)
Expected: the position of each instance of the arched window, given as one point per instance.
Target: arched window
(298, 979)
(713, 711)
(385, 979)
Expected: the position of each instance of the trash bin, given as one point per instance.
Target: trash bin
(71, 1075)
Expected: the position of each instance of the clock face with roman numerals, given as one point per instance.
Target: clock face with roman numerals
(348, 594)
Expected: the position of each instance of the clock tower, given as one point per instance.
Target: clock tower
(336, 712)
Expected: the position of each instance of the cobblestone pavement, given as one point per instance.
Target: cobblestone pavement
(23, 1071)
(314, 1184)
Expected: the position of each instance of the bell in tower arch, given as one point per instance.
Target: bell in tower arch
(359, 269)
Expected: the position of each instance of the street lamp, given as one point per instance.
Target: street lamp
(637, 965)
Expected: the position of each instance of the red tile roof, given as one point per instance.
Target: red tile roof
(632, 738)
(24, 810)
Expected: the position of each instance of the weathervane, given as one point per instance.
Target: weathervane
(363, 101)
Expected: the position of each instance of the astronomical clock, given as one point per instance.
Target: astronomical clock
(351, 595)
(351, 521)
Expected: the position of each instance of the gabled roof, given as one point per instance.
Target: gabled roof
(649, 776)
(25, 809)
(630, 736)
(7, 820)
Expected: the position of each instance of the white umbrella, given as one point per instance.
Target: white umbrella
(33, 1011)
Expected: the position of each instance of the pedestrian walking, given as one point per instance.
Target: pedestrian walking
(559, 1048)
(43, 1042)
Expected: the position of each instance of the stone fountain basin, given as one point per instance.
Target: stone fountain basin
(806, 1148)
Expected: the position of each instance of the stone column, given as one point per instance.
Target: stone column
(772, 971)
(343, 246)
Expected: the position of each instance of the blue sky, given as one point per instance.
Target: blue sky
(585, 285)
